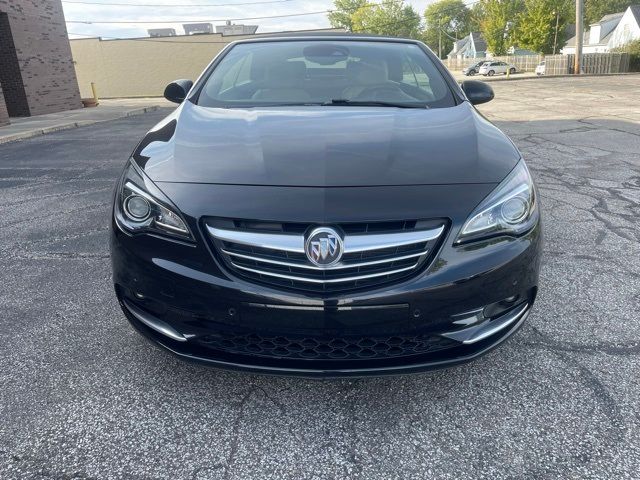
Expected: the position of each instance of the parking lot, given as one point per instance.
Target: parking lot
(84, 396)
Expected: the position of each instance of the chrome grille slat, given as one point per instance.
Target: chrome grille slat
(371, 255)
(323, 281)
(368, 242)
(352, 243)
(340, 266)
(284, 242)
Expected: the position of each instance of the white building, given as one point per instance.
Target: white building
(197, 28)
(612, 31)
(236, 29)
(471, 46)
(474, 46)
(162, 32)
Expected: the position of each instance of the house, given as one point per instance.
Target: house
(513, 50)
(612, 31)
(474, 46)
(460, 49)
(471, 46)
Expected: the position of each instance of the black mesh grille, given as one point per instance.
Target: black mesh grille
(342, 348)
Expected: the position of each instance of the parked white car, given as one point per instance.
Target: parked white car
(540, 69)
(492, 68)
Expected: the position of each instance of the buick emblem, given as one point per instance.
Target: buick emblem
(324, 247)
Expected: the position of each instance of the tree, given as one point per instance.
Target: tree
(391, 17)
(445, 21)
(340, 17)
(537, 24)
(633, 48)
(476, 14)
(498, 23)
(596, 9)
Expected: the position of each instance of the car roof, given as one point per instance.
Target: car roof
(297, 36)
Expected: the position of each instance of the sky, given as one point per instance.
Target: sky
(190, 10)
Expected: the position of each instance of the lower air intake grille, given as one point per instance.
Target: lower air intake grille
(277, 254)
(343, 348)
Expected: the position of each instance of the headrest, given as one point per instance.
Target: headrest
(371, 72)
(286, 74)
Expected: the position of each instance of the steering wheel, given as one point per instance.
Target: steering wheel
(371, 93)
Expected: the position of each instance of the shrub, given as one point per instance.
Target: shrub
(633, 49)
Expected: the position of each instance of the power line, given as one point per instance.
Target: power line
(167, 39)
(265, 17)
(91, 22)
(396, 22)
(157, 40)
(171, 5)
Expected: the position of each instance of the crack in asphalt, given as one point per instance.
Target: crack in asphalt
(617, 428)
(75, 347)
(235, 438)
(609, 348)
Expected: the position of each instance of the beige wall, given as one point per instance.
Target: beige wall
(143, 67)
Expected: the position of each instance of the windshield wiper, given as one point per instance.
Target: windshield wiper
(372, 103)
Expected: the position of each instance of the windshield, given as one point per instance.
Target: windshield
(325, 72)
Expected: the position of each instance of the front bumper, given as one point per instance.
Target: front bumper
(179, 298)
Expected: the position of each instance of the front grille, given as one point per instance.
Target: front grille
(311, 348)
(375, 253)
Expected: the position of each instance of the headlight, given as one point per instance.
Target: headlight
(142, 207)
(511, 209)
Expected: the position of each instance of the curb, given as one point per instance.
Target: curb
(568, 75)
(68, 126)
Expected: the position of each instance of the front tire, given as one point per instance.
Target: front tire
(491, 73)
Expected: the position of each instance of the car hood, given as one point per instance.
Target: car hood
(316, 146)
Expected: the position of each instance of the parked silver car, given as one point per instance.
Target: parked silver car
(472, 69)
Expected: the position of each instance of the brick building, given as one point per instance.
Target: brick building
(36, 70)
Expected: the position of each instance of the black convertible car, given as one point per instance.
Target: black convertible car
(326, 206)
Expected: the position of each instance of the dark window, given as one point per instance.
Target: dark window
(318, 71)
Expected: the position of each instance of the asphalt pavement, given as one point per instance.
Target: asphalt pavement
(82, 396)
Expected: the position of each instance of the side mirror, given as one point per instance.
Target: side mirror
(177, 90)
(477, 92)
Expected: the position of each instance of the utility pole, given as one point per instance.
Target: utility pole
(439, 39)
(555, 38)
(577, 64)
